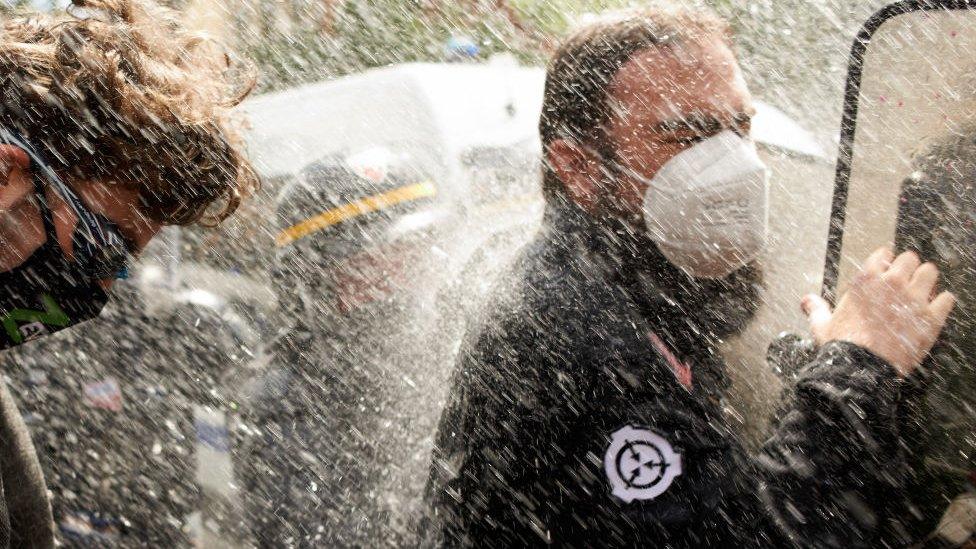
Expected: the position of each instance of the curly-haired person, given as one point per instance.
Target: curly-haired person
(114, 121)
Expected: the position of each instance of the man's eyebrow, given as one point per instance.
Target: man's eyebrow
(700, 124)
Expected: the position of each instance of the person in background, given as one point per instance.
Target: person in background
(114, 121)
(587, 404)
(936, 218)
(331, 448)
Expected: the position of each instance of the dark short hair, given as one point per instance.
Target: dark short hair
(576, 101)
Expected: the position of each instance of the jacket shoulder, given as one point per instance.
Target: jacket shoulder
(555, 329)
(553, 300)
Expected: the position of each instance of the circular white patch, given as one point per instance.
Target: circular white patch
(640, 464)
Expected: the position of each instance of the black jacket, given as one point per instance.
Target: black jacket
(110, 407)
(572, 421)
(330, 459)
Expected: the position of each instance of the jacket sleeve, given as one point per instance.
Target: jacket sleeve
(834, 460)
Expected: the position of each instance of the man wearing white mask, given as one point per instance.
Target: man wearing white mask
(586, 408)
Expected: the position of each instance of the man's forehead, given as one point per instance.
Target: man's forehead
(665, 83)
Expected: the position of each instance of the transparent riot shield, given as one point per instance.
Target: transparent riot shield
(799, 212)
(907, 177)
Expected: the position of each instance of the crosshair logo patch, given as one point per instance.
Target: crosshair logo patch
(640, 464)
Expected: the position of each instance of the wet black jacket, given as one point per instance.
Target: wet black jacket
(568, 393)
(110, 407)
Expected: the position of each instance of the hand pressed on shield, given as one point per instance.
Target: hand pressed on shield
(889, 310)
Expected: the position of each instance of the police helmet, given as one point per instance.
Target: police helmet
(342, 206)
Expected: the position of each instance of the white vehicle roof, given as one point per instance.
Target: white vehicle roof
(434, 111)
(773, 128)
(424, 107)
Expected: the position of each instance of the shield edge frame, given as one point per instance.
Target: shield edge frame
(852, 95)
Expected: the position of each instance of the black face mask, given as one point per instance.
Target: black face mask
(48, 292)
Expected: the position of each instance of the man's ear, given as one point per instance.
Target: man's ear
(579, 169)
(15, 179)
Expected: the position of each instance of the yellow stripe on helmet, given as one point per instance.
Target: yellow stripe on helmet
(354, 209)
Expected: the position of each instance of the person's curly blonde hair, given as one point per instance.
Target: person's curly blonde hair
(119, 90)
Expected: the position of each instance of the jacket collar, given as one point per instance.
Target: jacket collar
(689, 310)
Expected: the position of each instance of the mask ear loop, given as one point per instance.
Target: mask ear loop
(95, 237)
(87, 222)
(7, 136)
(42, 205)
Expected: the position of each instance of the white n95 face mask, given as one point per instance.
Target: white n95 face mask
(707, 209)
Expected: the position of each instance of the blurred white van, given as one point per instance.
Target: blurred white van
(432, 112)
